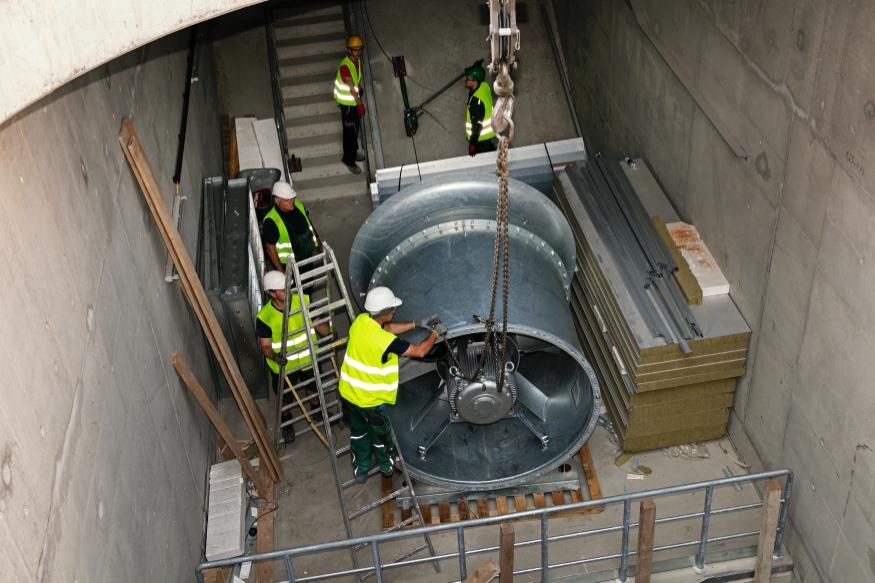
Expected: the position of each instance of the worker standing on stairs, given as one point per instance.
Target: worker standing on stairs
(287, 231)
(269, 329)
(478, 122)
(369, 377)
(347, 92)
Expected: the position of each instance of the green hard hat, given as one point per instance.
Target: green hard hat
(476, 72)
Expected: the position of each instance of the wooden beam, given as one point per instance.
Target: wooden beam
(213, 575)
(487, 572)
(646, 528)
(264, 538)
(204, 401)
(768, 531)
(506, 539)
(195, 292)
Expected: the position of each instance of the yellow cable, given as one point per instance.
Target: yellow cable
(306, 415)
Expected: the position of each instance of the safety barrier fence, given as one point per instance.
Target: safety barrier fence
(288, 556)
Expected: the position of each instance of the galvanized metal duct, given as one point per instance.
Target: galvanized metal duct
(433, 244)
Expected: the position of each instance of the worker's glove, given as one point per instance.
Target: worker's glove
(279, 359)
(426, 322)
(471, 151)
(361, 109)
(440, 328)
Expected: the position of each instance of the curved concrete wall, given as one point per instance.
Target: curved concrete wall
(47, 44)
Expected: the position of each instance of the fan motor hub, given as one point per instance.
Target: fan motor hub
(481, 402)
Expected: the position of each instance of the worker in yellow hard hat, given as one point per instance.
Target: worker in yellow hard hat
(478, 122)
(347, 93)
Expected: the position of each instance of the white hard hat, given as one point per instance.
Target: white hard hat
(283, 190)
(379, 299)
(274, 280)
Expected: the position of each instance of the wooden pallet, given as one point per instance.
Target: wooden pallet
(468, 510)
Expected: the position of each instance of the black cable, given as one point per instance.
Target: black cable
(415, 155)
(444, 127)
(400, 172)
(371, 26)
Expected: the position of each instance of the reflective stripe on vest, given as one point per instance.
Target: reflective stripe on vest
(485, 95)
(297, 350)
(365, 380)
(342, 94)
(284, 244)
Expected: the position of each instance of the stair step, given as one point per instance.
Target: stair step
(323, 167)
(310, 65)
(317, 125)
(309, 106)
(291, 9)
(317, 146)
(333, 26)
(312, 45)
(306, 20)
(332, 187)
(322, 84)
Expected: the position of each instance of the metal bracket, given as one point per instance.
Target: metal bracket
(434, 437)
(544, 439)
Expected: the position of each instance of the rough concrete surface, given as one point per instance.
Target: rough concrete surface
(103, 453)
(790, 226)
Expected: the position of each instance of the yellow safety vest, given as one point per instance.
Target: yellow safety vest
(485, 95)
(284, 243)
(341, 89)
(365, 380)
(297, 350)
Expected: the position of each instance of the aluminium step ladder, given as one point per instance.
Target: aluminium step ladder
(309, 275)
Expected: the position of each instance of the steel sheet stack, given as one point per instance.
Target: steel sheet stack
(667, 370)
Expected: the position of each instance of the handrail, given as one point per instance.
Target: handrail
(542, 513)
(278, 111)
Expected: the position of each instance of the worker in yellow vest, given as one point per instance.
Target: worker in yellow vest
(286, 230)
(478, 115)
(369, 377)
(269, 329)
(347, 93)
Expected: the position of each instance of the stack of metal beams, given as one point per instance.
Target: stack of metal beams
(667, 369)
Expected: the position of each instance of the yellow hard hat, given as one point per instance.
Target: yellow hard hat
(354, 42)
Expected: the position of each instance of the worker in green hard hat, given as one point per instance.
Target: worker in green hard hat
(478, 117)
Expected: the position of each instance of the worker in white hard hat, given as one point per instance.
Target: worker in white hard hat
(369, 377)
(287, 231)
(269, 329)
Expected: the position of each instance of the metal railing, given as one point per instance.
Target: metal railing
(278, 111)
(462, 553)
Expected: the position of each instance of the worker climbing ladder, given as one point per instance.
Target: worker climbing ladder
(304, 278)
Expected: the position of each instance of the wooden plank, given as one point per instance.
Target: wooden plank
(388, 512)
(577, 496)
(213, 414)
(501, 505)
(540, 502)
(194, 291)
(425, 509)
(406, 513)
(506, 538)
(213, 575)
(519, 503)
(444, 512)
(234, 159)
(463, 510)
(592, 481)
(487, 572)
(768, 525)
(558, 498)
(646, 527)
(264, 538)
(482, 508)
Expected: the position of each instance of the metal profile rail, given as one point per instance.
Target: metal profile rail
(544, 567)
(278, 111)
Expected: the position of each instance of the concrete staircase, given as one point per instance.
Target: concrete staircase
(311, 42)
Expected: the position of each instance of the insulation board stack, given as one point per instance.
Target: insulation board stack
(226, 514)
(656, 394)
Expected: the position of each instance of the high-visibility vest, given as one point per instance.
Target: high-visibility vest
(365, 380)
(485, 95)
(297, 350)
(341, 89)
(284, 243)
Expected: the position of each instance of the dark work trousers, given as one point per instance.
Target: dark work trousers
(349, 115)
(484, 146)
(370, 433)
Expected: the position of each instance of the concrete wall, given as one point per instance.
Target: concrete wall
(103, 453)
(447, 37)
(47, 44)
(791, 227)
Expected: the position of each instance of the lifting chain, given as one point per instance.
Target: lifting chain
(501, 120)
